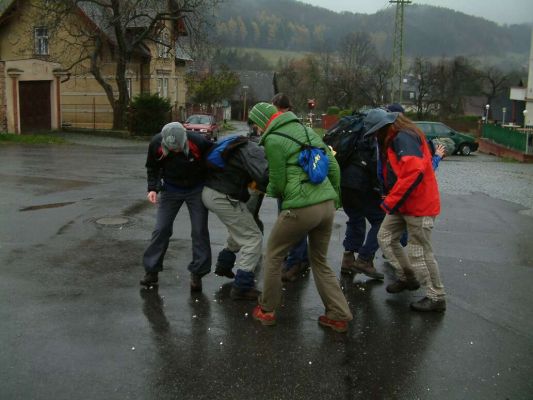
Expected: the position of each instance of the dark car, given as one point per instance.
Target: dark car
(203, 123)
(464, 144)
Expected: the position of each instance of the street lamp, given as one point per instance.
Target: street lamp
(487, 114)
(525, 118)
(504, 110)
(245, 88)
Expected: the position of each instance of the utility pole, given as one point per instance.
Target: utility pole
(397, 51)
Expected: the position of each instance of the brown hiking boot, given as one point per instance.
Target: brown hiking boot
(400, 286)
(427, 304)
(367, 267)
(295, 272)
(347, 262)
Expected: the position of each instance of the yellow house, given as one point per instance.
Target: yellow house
(45, 66)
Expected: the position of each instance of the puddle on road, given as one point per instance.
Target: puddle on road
(43, 206)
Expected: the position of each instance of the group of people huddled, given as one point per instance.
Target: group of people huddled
(230, 177)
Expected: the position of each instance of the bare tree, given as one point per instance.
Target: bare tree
(493, 82)
(356, 54)
(374, 83)
(424, 72)
(99, 35)
(453, 80)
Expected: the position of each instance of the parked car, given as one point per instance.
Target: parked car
(464, 144)
(203, 123)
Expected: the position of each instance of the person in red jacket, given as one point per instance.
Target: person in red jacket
(411, 201)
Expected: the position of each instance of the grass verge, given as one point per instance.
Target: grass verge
(7, 138)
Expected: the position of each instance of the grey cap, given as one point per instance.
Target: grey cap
(377, 118)
(174, 138)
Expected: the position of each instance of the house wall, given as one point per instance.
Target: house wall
(84, 103)
(3, 100)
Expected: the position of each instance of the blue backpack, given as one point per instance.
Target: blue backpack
(313, 160)
(217, 155)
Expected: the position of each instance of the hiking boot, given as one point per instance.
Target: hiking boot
(228, 273)
(367, 268)
(292, 274)
(150, 279)
(266, 318)
(196, 283)
(426, 304)
(225, 262)
(400, 286)
(336, 325)
(347, 262)
(244, 294)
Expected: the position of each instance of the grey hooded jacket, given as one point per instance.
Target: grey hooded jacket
(245, 164)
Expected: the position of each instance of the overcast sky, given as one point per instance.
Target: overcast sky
(501, 11)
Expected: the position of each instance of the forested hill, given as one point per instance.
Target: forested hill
(429, 31)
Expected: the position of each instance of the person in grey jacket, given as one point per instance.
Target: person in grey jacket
(225, 193)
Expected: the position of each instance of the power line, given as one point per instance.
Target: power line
(397, 50)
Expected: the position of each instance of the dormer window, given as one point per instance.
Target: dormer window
(163, 47)
(41, 41)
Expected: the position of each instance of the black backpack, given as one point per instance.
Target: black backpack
(344, 137)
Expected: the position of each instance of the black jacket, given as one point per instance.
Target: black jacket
(176, 169)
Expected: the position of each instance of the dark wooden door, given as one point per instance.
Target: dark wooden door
(35, 106)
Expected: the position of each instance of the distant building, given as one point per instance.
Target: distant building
(255, 86)
(39, 94)
(522, 110)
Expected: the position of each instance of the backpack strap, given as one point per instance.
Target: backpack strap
(288, 137)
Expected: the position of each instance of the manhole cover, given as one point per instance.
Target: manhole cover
(113, 221)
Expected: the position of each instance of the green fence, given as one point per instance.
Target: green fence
(509, 137)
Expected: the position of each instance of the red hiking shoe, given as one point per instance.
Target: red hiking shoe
(337, 326)
(266, 318)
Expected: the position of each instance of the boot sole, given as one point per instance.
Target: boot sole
(225, 274)
(440, 310)
(370, 275)
(333, 327)
(265, 323)
(146, 284)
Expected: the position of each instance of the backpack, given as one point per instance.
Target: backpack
(218, 154)
(343, 137)
(313, 160)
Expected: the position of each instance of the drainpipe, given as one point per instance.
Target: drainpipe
(14, 74)
(59, 73)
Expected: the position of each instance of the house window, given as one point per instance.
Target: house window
(41, 41)
(163, 47)
(162, 87)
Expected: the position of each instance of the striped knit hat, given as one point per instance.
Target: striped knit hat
(261, 114)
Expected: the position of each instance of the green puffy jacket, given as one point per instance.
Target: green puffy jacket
(287, 180)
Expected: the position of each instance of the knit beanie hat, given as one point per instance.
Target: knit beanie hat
(174, 138)
(261, 114)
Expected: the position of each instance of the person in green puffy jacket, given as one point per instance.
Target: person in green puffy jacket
(307, 208)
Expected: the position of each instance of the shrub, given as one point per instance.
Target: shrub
(344, 113)
(333, 110)
(148, 114)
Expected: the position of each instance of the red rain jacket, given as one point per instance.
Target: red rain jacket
(409, 180)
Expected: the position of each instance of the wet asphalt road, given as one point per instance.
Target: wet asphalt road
(76, 325)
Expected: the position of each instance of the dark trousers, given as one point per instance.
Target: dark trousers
(354, 239)
(168, 207)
